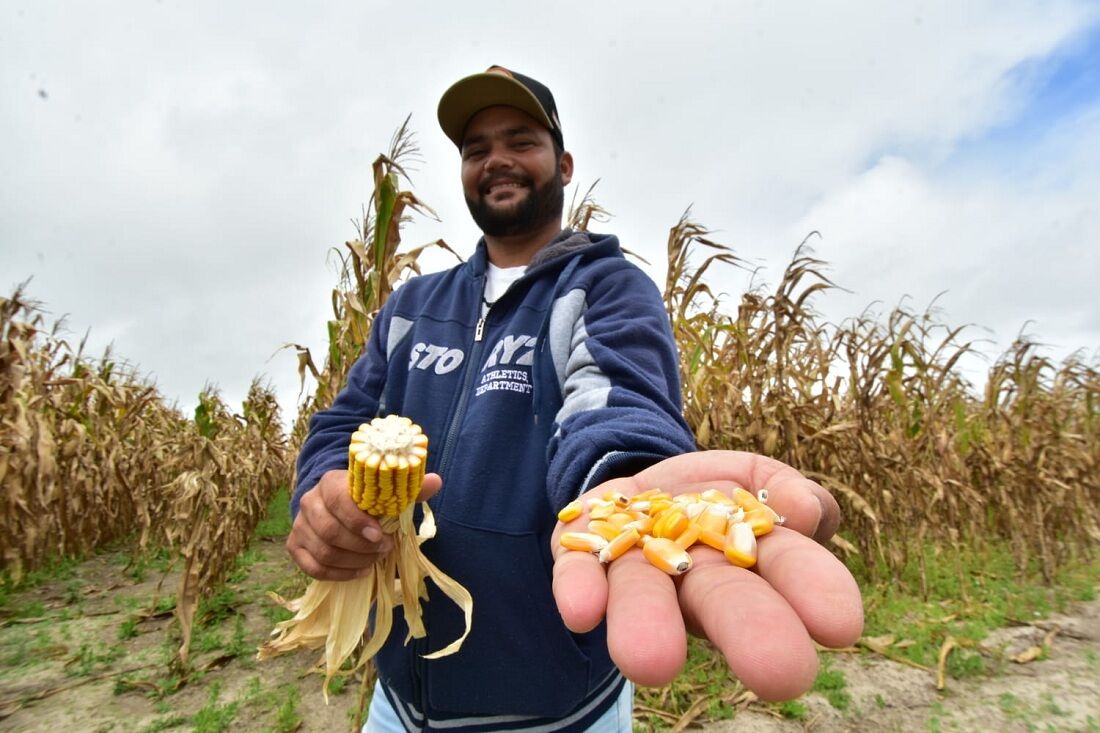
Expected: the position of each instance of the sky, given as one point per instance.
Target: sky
(175, 175)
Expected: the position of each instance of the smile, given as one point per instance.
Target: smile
(497, 186)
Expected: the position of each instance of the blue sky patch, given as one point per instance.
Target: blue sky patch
(1052, 89)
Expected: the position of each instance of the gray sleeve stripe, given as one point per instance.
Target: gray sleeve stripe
(566, 311)
(398, 328)
(583, 385)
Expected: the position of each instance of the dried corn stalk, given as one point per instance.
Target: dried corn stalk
(385, 468)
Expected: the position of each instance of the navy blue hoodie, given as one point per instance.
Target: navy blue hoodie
(570, 379)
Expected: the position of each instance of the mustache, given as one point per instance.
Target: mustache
(502, 178)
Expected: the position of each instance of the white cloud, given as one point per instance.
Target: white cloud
(1006, 254)
(193, 162)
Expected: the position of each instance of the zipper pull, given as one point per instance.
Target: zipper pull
(480, 330)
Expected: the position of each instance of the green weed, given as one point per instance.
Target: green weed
(172, 721)
(276, 521)
(833, 686)
(794, 710)
(128, 629)
(287, 717)
(87, 661)
(214, 718)
(969, 594)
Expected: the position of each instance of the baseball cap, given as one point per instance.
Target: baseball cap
(496, 85)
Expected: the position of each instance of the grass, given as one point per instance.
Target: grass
(833, 686)
(54, 568)
(276, 520)
(214, 717)
(969, 594)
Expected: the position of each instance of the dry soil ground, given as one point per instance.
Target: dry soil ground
(83, 653)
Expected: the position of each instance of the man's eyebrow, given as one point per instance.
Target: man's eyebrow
(509, 133)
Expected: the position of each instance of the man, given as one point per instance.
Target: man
(543, 369)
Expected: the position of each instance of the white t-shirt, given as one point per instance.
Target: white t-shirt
(497, 282)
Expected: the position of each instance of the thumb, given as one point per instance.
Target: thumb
(430, 487)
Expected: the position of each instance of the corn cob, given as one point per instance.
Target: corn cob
(386, 460)
(665, 526)
(386, 465)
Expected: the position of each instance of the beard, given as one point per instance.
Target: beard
(539, 207)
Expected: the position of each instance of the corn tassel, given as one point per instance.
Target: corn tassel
(386, 462)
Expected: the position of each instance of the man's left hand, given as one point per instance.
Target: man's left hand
(763, 620)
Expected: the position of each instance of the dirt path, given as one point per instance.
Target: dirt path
(1060, 691)
(75, 657)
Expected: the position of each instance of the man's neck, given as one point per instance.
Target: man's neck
(518, 249)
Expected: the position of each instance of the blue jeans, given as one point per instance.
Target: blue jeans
(382, 718)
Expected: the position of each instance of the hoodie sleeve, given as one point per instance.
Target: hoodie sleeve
(617, 365)
(326, 445)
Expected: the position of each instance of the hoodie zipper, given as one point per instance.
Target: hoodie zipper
(464, 396)
(418, 647)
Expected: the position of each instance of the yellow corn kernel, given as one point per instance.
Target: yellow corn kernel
(746, 500)
(620, 519)
(646, 495)
(760, 520)
(710, 538)
(694, 509)
(666, 555)
(603, 528)
(671, 523)
(644, 524)
(622, 542)
(714, 517)
(714, 496)
(741, 545)
(622, 501)
(658, 505)
(570, 511)
(598, 509)
(689, 536)
(583, 541)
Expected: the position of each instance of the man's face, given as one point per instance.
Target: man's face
(511, 177)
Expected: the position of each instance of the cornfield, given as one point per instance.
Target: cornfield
(92, 456)
(877, 410)
(880, 414)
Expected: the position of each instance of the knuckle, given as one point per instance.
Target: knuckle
(327, 529)
(326, 554)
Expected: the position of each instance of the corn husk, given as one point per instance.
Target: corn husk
(336, 614)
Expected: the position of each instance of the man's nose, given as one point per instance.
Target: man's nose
(498, 158)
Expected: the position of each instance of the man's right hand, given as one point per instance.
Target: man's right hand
(332, 538)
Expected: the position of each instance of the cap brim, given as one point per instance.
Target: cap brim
(468, 96)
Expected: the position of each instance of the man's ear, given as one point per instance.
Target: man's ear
(565, 165)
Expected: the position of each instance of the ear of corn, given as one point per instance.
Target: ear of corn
(386, 465)
(386, 462)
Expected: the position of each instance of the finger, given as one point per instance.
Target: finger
(815, 584)
(579, 580)
(317, 568)
(760, 635)
(332, 555)
(347, 528)
(430, 487)
(645, 631)
(314, 569)
(580, 590)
